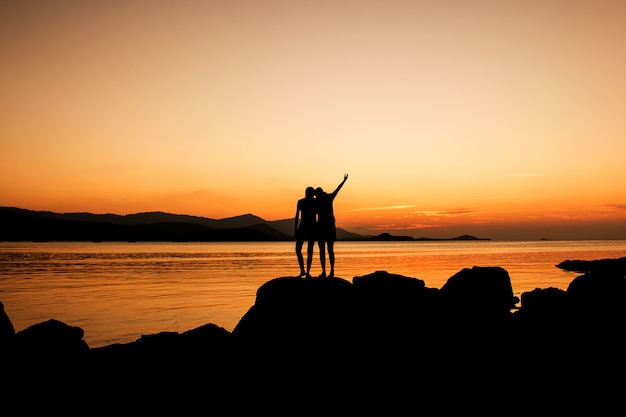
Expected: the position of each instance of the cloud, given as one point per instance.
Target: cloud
(430, 213)
(403, 227)
(402, 206)
(446, 213)
(415, 220)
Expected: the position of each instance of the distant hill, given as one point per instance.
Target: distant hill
(27, 225)
(149, 218)
(17, 224)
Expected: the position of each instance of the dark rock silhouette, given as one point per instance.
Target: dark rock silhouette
(382, 340)
(481, 292)
(51, 339)
(393, 304)
(300, 312)
(607, 266)
(7, 331)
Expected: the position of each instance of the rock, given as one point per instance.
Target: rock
(7, 331)
(604, 266)
(544, 304)
(598, 298)
(50, 339)
(300, 313)
(543, 319)
(391, 306)
(209, 340)
(480, 292)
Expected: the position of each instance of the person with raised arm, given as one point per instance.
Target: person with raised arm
(326, 228)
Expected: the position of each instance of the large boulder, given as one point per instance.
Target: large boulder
(542, 320)
(479, 292)
(48, 357)
(598, 298)
(394, 307)
(543, 306)
(297, 313)
(50, 339)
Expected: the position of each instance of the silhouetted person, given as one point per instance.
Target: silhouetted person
(305, 229)
(326, 229)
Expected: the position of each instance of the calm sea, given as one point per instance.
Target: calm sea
(117, 292)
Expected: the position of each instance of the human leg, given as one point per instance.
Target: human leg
(299, 244)
(322, 247)
(331, 257)
(309, 257)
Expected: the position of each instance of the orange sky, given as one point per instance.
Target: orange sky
(493, 118)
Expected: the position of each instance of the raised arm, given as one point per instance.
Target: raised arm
(345, 177)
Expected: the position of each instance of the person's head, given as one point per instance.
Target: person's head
(309, 192)
(319, 192)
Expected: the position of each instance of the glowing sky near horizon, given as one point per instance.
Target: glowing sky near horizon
(493, 118)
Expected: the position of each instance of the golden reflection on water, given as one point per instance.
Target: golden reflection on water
(117, 292)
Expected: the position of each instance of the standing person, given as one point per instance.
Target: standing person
(326, 229)
(305, 226)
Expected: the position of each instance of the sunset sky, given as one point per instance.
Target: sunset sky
(497, 119)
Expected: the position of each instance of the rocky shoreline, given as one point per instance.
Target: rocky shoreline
(379, 340)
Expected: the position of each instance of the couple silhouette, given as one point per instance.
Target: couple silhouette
(315, 221)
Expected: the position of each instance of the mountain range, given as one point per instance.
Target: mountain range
(17, 224)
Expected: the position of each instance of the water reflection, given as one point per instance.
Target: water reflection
(119, 291)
